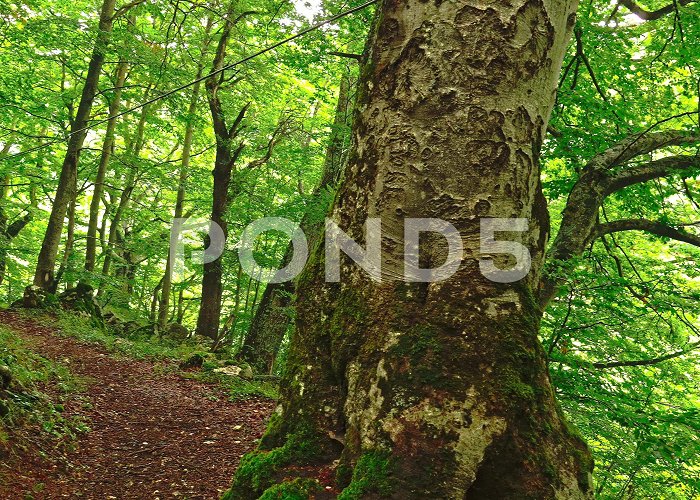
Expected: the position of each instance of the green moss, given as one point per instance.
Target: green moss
(272, 433)
(428, 360)
(371, 476)
(515, 388)
(257, 470)
(417, 342)
(343, 475)
(23, 400)
(299, 489)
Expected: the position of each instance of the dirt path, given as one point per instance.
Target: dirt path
(153, 434)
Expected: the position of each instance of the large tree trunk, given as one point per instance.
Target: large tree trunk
(107, 146)
(227, 152)
(436, 390)
(273, 317)
(44, 274)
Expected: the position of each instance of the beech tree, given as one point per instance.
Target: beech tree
(453, 108)
(441, 390)
(65, 193)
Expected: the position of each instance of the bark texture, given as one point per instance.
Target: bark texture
(436, 390)
(46, 262)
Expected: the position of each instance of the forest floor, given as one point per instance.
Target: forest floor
(153, 433)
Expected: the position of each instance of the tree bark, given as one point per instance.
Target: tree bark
(273, 317)
(435, 390)
(67, 250)
(65, 193)
(107, 146)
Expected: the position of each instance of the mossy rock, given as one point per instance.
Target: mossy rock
(82, 299)
(176, 331)
(34, 297)
(195, 360)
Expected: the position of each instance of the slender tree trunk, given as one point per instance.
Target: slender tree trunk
(134, 150)
(436, 390)
(184, 172)
(107, 146)
(227, 154)
(273, 317)
(9, 231)
(44, 275)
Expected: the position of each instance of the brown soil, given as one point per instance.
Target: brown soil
(154, 434)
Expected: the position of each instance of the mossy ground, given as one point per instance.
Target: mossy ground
(25, 401)
(258, 470)
(298, 489)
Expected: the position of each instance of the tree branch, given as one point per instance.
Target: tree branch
(646, 362)
(652, 15)
(126, 8)
(639, 144)
(652, 170)
(16, 227)
(235, 128)
(600, 178)
(648, 226)
(280, 130)
(357, 57)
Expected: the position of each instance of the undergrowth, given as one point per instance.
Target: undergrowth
(25, 402)
(145, 346)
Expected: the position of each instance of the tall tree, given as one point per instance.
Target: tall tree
(228, 150)
(445, 385)
(167, 283)
(136, 144)
(106, 154)
(65, 193)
